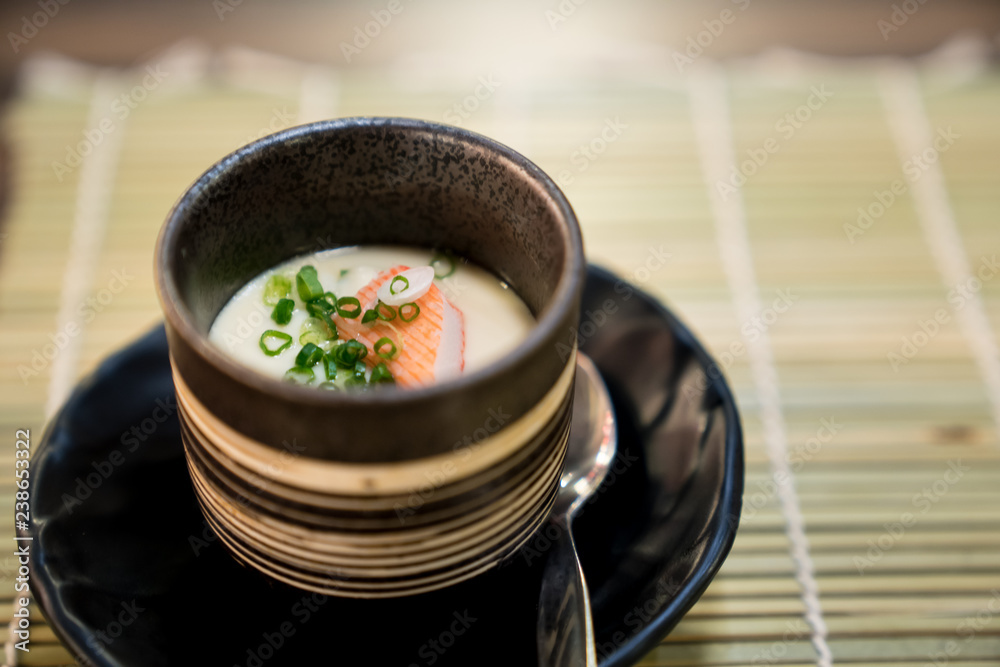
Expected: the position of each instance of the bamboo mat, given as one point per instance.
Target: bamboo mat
(802, 313)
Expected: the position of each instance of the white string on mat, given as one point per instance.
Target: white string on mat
(914, 135)
(713, 128)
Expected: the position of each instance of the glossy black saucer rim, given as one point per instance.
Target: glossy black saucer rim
(730, 501)
(67, 626)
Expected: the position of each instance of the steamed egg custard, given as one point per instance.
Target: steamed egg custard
(366, 316)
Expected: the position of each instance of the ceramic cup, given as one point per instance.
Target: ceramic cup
(399, 491)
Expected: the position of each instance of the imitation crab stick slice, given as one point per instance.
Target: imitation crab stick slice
(429, 348)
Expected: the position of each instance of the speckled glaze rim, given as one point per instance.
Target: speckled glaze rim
(548, 327)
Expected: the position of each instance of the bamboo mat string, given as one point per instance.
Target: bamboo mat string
(710, 112)
(913, 134)
(93, 200)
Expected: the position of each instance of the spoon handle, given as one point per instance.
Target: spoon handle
(565, 627)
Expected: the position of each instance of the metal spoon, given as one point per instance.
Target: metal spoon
(565, 626)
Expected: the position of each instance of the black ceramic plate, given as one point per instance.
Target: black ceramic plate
(128, 574)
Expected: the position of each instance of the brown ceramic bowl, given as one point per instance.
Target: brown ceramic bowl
(402, 490)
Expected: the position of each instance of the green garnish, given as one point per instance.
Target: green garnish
(369, 316)
(348, 313)
(444, 264)
(381, 375)
(276, 288)
(307, 283)
(357, 378)
(299, 375)
(330, 299)
(401, 279)
(274, 342)
(282, 313)
(309, 356)
(386, 313)
(331, 386)
(315, 331)
(410, 315)
(343, 272)
(383, 342)
(349, 353)
(321, 310)
(330, 366)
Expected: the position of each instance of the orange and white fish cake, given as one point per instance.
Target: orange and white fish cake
(429, 347)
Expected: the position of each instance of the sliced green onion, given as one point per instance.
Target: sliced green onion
(383, 342)
(309, 356)
(444, 264)
(307, 283)
(331, 386)
(276, 288)
(387, 313)
(299, 375)
(381, 375)
(320, 309)
(347, 354)
(357, 377)
(315, 331)
(401, 279)
(330, 366)
(330, 299)
(274, 342)
(282, 313)
(410, 315)
(343, 272)
(348, 313)
(369, 316)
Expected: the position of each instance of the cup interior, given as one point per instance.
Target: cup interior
(356, 183)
